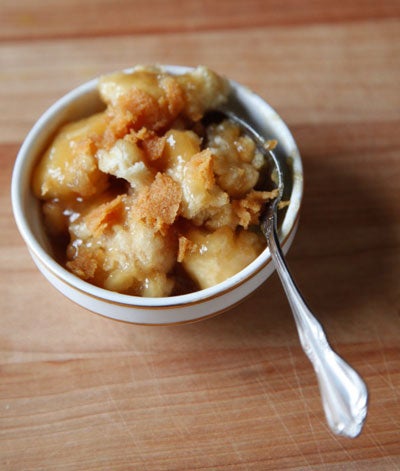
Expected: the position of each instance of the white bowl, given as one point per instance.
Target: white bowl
(84, 101)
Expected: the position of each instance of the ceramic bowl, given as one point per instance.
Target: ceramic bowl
(84, 101)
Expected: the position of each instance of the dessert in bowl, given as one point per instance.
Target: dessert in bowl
(136, 209)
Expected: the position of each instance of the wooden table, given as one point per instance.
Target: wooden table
(81, 392)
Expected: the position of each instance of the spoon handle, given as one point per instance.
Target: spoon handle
(343, 392)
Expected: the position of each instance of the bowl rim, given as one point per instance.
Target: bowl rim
(19, 193)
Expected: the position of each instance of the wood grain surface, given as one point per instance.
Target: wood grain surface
(79, 392)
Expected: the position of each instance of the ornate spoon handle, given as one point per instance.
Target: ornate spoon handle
(343, 392)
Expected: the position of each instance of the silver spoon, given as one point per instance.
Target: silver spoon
(344, 394)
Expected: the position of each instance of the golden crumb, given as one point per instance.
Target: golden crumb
(152, 144)
(249, 208)
(158, 204)
(186, 246)
(85, 264)
(105, 216)
(270, 144)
